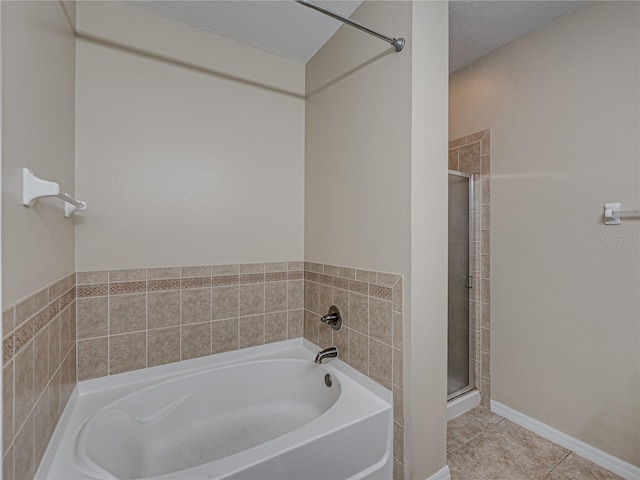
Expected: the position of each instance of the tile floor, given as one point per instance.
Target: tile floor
(484, 446)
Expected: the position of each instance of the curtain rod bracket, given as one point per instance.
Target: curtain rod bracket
(398, 43)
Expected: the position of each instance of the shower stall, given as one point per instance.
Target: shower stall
(460, 371)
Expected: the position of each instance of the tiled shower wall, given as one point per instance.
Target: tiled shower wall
(132, 319)
(472, 154)
(371, 337)
(39, 373)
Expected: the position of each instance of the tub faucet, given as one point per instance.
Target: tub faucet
(330, 352)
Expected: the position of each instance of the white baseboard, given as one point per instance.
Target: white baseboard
(462, 404)
(597, 456)
(442, 474)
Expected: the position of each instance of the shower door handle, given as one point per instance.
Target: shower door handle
(468, 281)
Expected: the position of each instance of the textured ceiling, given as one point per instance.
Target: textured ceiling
(477, 28)
(295, 32)
(284, 28)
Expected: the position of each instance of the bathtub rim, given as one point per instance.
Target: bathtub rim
(300, 348)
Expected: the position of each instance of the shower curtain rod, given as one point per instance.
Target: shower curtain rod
(398, 43)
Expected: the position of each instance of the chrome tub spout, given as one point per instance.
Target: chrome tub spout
(331, 352)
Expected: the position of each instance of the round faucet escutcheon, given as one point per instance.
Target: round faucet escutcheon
(333, 318)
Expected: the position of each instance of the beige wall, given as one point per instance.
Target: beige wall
(563, 108)
(358, 188)
(427, 331)
(38, 58)
(189, 146)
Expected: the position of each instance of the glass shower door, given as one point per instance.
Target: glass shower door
(459, 359)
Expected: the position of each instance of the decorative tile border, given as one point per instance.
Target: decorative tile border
(173, 281)
(371, 338)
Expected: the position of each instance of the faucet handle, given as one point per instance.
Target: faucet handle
(333, 318)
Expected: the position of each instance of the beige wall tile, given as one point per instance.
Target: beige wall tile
(83, 278)
(398, 370)
(65, 332)
(295, 294)
(54, 348)
(196, 340)
(163, 309)
(485, 291)
(127, 313)
(225, 269)
(311, 321)
(7, 406)
(7, 465)
(163, 273)
(196, 305)
(325, 299)
(476, 137)
(251, 331)
(41, 361)
(366, 276)
(225, 302)
(224, 335)
(23, 454)
(275, 297)
(397, 297)
(252, 268)
(398, 441)
(276, 267)
(295, 323)
(341, 342)
(453, 159)
(397, 319)
(325, 335)
(56, 404)
(469, 160)
(359, 351)
(27, 307)
(8, 320)
(41, 426)
(380, 326)
(485, 242)
(348, 273)
(311, 296)
(398, 405)
(92, 358)
(380, 363)
(486, 315)
(387, 279)
(332, 270)
(341, 299)
(359, 312)
(294, 266)
(127, 352)
(132, 275)
(275, 327)
(251, 299)
(195, 271)
(458, 142)
(163, 346)
(23, 364)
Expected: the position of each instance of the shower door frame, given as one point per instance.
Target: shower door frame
(472, 340)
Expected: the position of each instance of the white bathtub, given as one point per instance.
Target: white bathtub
(261, 413)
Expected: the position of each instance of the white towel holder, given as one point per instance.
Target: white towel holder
(34, 188)
(612, 213)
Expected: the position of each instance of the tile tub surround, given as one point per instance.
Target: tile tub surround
(472, 154)
(39, 373)
(370, 339)
(132, 319)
